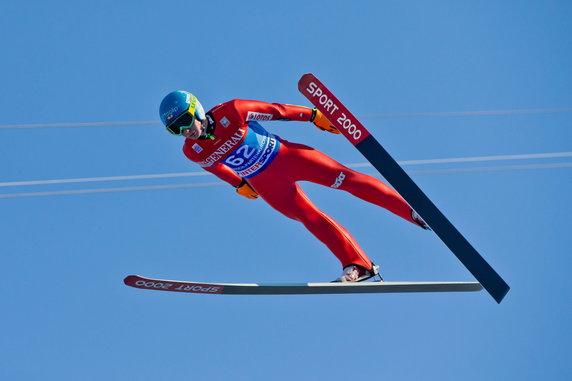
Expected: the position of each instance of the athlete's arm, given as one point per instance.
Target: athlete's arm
(262, 111)
(225, 174)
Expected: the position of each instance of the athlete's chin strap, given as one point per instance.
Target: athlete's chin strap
(208, 133)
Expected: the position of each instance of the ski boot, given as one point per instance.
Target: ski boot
(419, 221)
(355, 273)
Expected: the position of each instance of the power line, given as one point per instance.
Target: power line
(352, 165)
(108, 190)
(108, 178)
(200, 185)
(471, 113)
(475, 159)
(89, 124)
(220, 183)
(365, 116)
(492, 169)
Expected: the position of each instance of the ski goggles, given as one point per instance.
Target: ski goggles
(185, 120)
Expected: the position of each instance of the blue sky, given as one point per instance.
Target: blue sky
(66, 314)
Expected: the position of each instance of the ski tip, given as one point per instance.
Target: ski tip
(304, 80)
(130, 279)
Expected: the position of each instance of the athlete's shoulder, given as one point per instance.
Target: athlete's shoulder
(217, 107)
(228, 104)
(231, 108)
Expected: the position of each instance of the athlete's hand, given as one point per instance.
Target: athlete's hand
(322, 122)
(244, 189)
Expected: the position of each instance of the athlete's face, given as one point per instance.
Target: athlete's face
(194, 131)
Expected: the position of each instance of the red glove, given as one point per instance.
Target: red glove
(244, 189)
(322, 122)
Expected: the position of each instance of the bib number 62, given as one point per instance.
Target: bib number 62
(242, 154)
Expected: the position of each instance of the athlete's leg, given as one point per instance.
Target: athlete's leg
(284, 195)
(315, 166)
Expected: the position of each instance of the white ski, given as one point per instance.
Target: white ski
(297, 288)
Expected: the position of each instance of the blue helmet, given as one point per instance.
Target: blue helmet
(177, 103)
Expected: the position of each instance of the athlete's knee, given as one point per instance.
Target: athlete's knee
(306, 214)
(293, 211)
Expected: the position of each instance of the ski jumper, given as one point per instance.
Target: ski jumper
(242, 148)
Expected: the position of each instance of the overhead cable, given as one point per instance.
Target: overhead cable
(550, 155)
(364, 116)
(220, 183)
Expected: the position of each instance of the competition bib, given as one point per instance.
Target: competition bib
(255, 153)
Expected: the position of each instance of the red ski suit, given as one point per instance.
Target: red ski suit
(273, 166)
